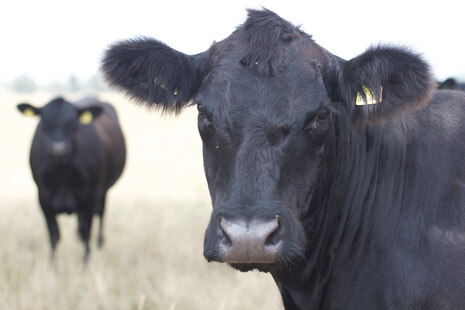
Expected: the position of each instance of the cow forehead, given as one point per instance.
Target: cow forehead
(284, 97)
(59, 112)
(265, 67)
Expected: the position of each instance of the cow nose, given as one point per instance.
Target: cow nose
(254, 241)
(58, 148)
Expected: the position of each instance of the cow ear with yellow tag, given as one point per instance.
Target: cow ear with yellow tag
(28, 110)
(155, 74)
(383, 83)
(89, 114)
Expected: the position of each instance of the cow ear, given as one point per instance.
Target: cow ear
(88, 114)
(28, 110)
(152, 72)
(384, 82)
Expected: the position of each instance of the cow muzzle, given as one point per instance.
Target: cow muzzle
(59, 148)
(249, 241)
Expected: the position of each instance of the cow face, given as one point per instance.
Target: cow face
(274, 110)
(58, 124)
(265, 139)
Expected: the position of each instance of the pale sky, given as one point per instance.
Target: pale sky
(49, 40)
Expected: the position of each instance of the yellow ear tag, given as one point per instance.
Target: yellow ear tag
(86, 117)
(162, 84)
(369, 96)
(29, 112)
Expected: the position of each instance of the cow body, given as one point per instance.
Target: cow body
(75, 163)
(343, 179)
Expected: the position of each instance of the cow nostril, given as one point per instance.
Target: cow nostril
(274, 236)
(224, 240)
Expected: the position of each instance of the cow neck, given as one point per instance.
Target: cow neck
(372, 175)
(365, 185)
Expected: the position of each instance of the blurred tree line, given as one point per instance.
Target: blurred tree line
(25, 84)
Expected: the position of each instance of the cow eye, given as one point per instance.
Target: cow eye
(45, 126)
(202, 110)
(203, 119)
(322, 114)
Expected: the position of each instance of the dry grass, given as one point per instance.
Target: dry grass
(156, 217)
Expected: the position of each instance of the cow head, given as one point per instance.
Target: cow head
(273, 106)
(59, 121)
(451, 84)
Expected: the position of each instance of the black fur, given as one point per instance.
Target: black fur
(265, 52)
(368, 199)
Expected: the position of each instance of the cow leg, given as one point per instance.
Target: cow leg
(85, 225)
(52, 225)
(100, 230)
(54, 232)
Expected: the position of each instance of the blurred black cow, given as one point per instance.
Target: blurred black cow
(78, 152)
(343, 179)
(451, 84)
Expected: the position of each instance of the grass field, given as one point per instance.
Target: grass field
(155, 220)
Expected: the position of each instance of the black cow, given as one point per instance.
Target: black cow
(343, 179)
(78, 152)
(451, 84)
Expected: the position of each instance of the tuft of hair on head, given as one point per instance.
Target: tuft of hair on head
(266, 36)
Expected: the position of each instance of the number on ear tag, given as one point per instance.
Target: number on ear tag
(369, 95)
